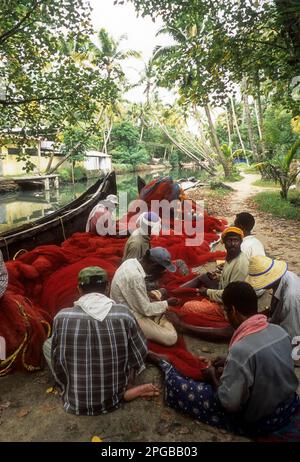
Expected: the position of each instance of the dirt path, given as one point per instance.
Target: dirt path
(29, 413)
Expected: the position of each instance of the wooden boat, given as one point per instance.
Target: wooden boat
(59, 225)
(140, 183)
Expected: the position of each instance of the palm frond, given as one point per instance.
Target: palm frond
(291, 154)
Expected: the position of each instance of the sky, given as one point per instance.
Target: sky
(122, 19)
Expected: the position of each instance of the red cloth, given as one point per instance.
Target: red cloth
(254, 324)
(202, 313)
(185, 362)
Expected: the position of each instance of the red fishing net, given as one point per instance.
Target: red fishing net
(44, 280)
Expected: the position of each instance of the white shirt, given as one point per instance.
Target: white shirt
(128, 287)
(252, 247)
(287, 310)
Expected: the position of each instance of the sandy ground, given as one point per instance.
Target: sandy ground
(29, 413)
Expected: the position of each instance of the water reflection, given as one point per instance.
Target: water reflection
(26, 206)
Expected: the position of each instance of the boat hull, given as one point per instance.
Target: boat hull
(59, 225)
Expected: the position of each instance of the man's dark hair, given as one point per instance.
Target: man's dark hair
(245, 220)
(242, 296)
(94, 285)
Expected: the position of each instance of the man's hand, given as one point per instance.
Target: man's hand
(202, 291)
(219, 364)
(213, 275)
(173, 301)
(219, 361)
(209, 376)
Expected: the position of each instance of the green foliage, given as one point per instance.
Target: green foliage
(122, 168)
(124, 135)
(45, 81)
(272, 202)
(75, 139)
(125, 147)
(65, 174)
(278, 131)
(266, 183)
(133, 156)
(279, 169)
(221, 42)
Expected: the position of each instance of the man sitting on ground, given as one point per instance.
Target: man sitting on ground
(148, 224)
(254, 389)
(234, 269)
(95, 348)
(100, 219)
(129, 287)
(266, 273)
(251, 246)
(3, 275)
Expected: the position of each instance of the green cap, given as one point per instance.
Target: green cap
(86, 273)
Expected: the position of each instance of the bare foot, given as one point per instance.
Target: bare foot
(147, 389)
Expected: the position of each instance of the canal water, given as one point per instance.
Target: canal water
(26, 206)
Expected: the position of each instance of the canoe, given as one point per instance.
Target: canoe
(59, 225)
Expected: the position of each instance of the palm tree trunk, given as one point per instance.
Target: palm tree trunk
(183, 148)
(249, 120)
(237, 126)
(142, 130)
(216, 143)
(165, 153)
(50, 162)
(107, 136)
(259, 115)
(228, 127)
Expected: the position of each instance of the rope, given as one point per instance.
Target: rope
(63, 228)
(8, 362)
(19, 251)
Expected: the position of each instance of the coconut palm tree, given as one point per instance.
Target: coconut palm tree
(109, 51)
(181, 36)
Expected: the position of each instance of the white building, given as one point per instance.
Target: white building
(95, 160)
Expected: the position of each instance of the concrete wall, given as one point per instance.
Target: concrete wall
(10, 166)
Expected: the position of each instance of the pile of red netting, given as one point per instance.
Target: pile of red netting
(44, 280)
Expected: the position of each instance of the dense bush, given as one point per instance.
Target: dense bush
(65, 174)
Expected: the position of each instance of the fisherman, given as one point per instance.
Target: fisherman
(235, 268)
(3, 275)
(267, 273)
(96, 348)
(251, 246)
(148, 224)
(129, 287)
(100, 220)
(259, 359)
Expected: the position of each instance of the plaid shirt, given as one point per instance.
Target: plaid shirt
(92, 359)
(3, 275)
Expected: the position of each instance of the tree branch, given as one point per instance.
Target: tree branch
(29, 100)
(14, 29)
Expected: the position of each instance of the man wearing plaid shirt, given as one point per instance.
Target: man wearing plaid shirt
(95, 348)
(3, 275)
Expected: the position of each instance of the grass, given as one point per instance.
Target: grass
(248, 168)
(236, 176)
(266, 183)
(218, 189)
(272, 202)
